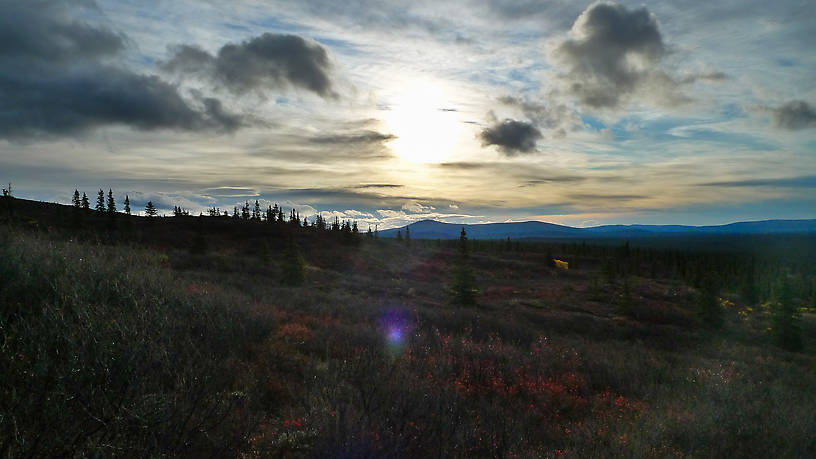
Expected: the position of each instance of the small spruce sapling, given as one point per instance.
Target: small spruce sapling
(150, 209)
(464, 285)
(294, 268)
(785, 317)
(709, 310)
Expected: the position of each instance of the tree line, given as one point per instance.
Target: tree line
(273, 214)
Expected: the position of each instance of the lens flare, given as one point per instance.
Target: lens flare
(397, 325)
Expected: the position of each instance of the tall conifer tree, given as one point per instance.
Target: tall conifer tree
(111, 202)
(100, 201)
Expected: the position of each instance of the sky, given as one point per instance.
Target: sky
(388, 112)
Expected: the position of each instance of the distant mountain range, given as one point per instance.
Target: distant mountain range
(431, 229)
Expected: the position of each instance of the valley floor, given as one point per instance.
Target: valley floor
(125, 349)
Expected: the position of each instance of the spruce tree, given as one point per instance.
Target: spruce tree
(127, 205)
(464, 285)
(256, 211)
(750, 291)
(100, 201)
(626, 304)
(785, 317)
(85, 203)
(75, 200)
(709, 309)
(294, 268)
(111, 202)
(150, 209)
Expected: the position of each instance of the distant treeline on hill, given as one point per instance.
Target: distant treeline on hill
(272, 214)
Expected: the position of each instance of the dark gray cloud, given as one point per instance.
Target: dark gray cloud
(794, 115)
(361, 137)
(464, 165)
(44, 29)
(807, 181)
(557, 117)
(381, 185)
(57, 77)
(615, 53)
(269, 61)
(511, 136)
(221, 118)
(59, 104)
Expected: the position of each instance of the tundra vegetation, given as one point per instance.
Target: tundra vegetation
(229, 336)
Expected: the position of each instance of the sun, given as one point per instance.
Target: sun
(425, 126)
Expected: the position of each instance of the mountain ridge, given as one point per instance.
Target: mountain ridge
(433, 229)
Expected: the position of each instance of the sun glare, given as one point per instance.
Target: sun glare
(424, 124)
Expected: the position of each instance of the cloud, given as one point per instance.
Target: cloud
(361, 137)
(554, 179)
(807, 181)
(416, 207)
(794, 115)
(221, 118)
(605, 197)
(268, 61)
(511, 136)
(464, 165)
(550, 117)
(231, 192)
(45, 30)
(556, 117)
(58, 77)
(613, 54)
(354, 144)
(381, 185)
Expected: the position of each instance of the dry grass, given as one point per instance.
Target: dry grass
(120, 350)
